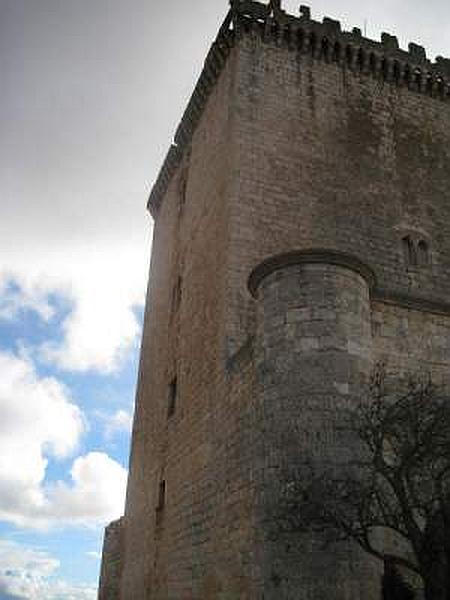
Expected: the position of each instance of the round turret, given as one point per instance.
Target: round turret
(313, 358)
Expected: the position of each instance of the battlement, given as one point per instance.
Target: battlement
(323, 41)
(294, 31)
(328, 41)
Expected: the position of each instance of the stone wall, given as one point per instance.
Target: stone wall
(327, 181)
(174, 545)
(112, 562)
(313, 354)
(332, 158)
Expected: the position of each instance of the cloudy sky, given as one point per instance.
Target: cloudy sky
(92, 91)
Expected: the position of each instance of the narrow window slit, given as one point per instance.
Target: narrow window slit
(172, 399)
(409, 251)
(161, 495)
(423, 255)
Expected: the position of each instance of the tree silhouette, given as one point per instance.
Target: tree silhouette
(396, 489)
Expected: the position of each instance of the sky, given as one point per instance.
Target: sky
(91, 94)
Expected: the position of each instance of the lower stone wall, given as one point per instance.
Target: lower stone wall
(219, 550)
(111, 569)
(411, 342)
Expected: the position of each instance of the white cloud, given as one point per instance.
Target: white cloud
(29, 574)
(13, 301)
(97, 493)
(102, 326)
(120, 422)
(103, 285)
(39, 422)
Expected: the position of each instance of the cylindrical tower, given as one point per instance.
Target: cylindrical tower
(312, 359)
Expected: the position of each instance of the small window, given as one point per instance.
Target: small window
(172, 399)
(176, 295)
(409, 251)
(161, 495)
(182, 189)
(423, 253)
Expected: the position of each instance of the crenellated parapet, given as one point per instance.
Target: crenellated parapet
(327, 41)
(323, 41)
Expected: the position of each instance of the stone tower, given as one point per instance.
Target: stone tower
(302, 234)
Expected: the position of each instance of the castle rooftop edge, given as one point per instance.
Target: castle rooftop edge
(324, 40)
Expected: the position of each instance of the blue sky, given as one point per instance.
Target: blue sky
(106, 400)
(92, 92)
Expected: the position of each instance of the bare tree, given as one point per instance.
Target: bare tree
(397, 489)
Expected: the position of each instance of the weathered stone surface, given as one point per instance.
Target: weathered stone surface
(325, 166)
(308, 371)
(112, 562)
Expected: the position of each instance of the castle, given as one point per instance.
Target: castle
(302, 235)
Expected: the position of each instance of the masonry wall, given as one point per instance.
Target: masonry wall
(291, 154)
(412, 342)
(112, 562)
(313, 355)
(331, 158)
(186, 549)
(334, 161)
